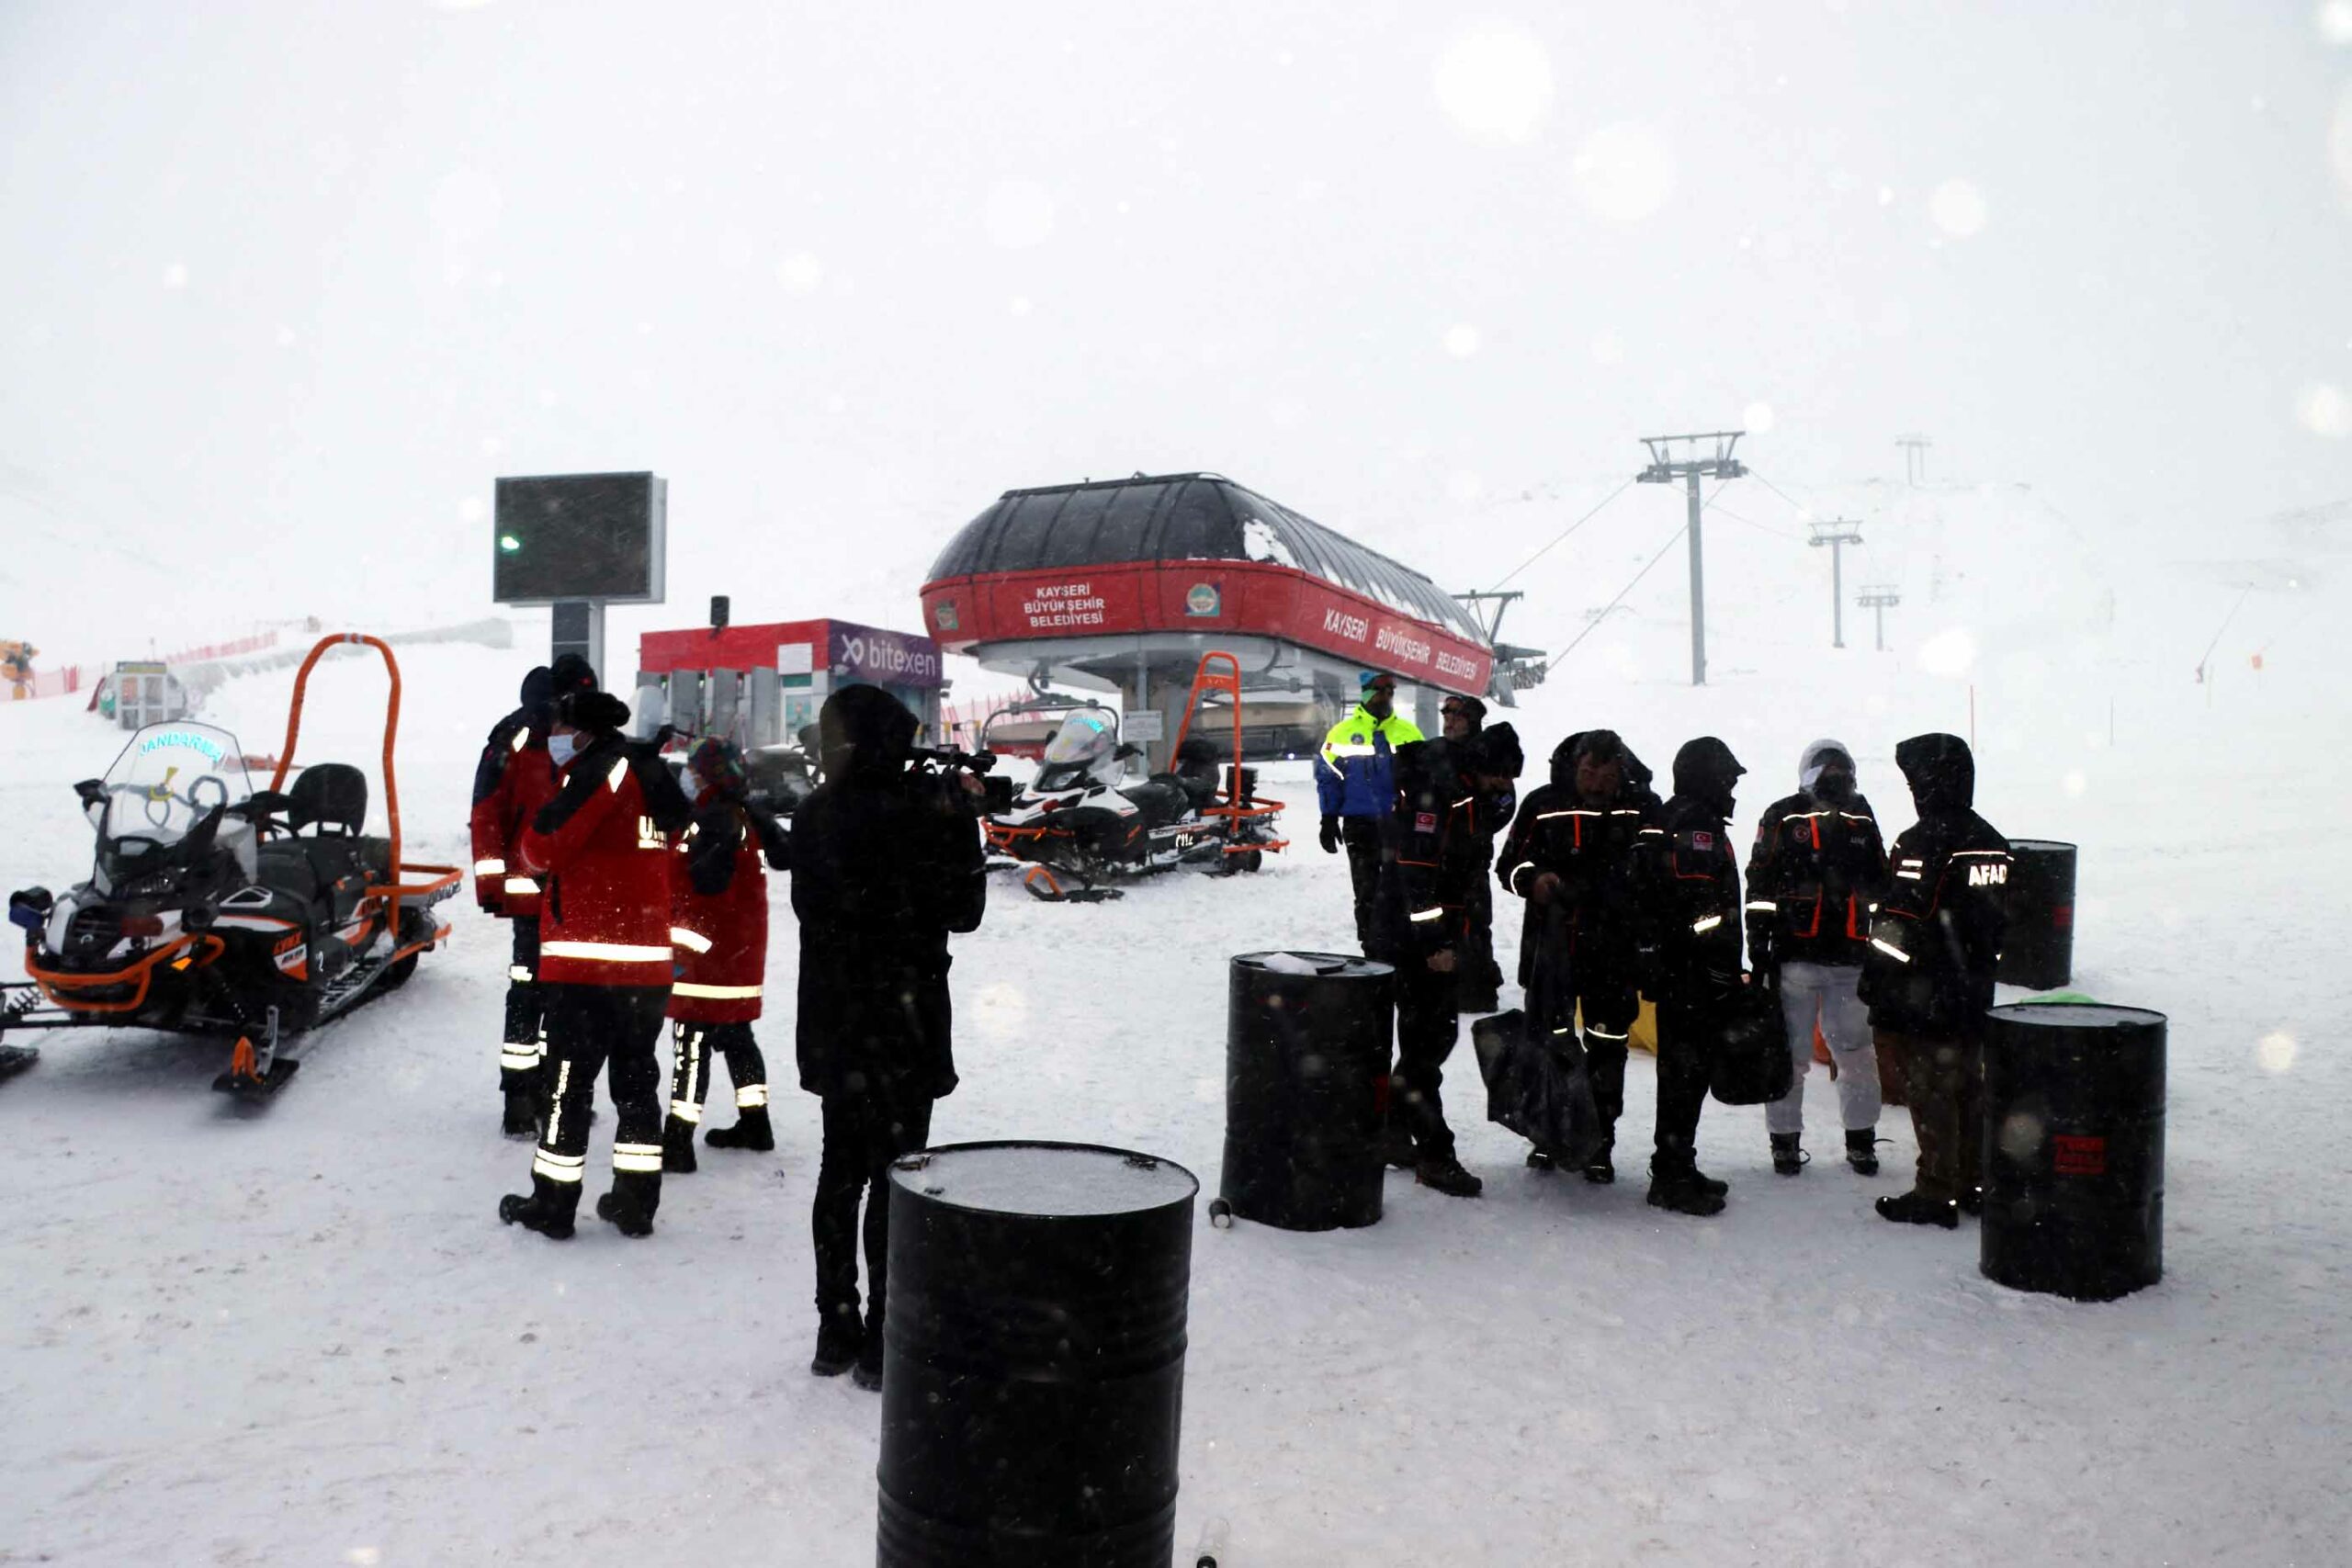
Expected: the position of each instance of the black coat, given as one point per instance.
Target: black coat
(1936, 938)
(1817, 870)
(1595, 864)
(1687, 881)
(886, 863)
(1432, 857)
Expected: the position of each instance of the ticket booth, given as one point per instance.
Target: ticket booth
(762, 685)
(138, 692)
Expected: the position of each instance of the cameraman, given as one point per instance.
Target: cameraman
(886, 864)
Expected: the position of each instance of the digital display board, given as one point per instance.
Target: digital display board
(597, 537)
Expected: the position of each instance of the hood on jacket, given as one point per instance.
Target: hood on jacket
(1940, 771)
(1705, 770)
(1494, 750)
(1814, 761)
(598, 712)
(865, 730)
(1606, 743)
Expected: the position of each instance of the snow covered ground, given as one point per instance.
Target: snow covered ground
(302, 1336)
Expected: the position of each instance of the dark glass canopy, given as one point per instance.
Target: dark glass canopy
(1182, 517)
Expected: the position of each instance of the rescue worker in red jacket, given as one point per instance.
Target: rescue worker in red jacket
(601, 850)
(719, 914)
(512, 781)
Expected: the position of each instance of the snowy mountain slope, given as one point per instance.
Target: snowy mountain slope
(302, 1336)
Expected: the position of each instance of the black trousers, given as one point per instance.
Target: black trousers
(1427, 1026)
(863, 1134)
(1609, 1005)
(1686, 1036)
(1362, 836)
(523, 1048)
(691, 1046)
(616, 1030)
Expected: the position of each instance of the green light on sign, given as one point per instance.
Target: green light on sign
(509, 543)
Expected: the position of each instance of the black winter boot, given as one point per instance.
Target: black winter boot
(1397, 1148)
(867, 1373)
(1972, 1201)
(840, 1338)
(1538, 1160)
(1915, 1208)
(1679, 1188)
(751, 1132)
(549, 1209)
(1602, 1169)
(629, 1207)
(1862, 1151)
(1708, 1184)
(1788, 1156)
(1444, 1173)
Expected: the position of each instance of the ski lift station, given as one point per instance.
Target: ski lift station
(1122, 585)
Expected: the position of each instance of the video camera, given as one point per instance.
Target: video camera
(947, 760)
(945, 763)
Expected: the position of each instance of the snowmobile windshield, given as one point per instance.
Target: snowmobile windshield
(169, 779)
(1080, 750)
(1084, 737)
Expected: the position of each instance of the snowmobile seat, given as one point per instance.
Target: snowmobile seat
(329, 794)
(331, 800)
(1197, 762)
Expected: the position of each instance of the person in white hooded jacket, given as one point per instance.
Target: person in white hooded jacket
(1816, 874)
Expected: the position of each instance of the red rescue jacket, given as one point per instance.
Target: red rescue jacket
(601, 850)
(719, 913)
(513, 779)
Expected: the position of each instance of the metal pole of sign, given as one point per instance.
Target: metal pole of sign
(579, 627)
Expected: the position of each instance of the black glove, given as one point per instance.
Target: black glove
(1330, 839)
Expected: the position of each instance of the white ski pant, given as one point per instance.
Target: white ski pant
(1824, 993)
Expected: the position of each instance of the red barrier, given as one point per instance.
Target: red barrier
(44, 683)
(211, 650)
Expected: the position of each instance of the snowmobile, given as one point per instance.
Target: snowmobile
(214, 908)
(1080, 823)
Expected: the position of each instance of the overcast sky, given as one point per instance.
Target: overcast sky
(286, 286)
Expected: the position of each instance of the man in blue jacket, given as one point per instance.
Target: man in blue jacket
(1355, 782)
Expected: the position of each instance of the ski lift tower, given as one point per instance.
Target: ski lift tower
(1836, 534)
(578, 542)
(1879, 598)
(1665, 468)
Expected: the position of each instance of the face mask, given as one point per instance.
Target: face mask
(692, 782)
(562, 747)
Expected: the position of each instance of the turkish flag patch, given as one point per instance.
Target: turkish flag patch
(1703, 843)
(1425, 822)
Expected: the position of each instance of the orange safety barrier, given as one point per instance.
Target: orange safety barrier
(139, 974)
(1234, 810)
(440, 876)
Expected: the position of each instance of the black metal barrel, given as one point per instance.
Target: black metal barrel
(2038, 949)
(1306, 1042)
(2074, 1148)
(1034, 1369)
